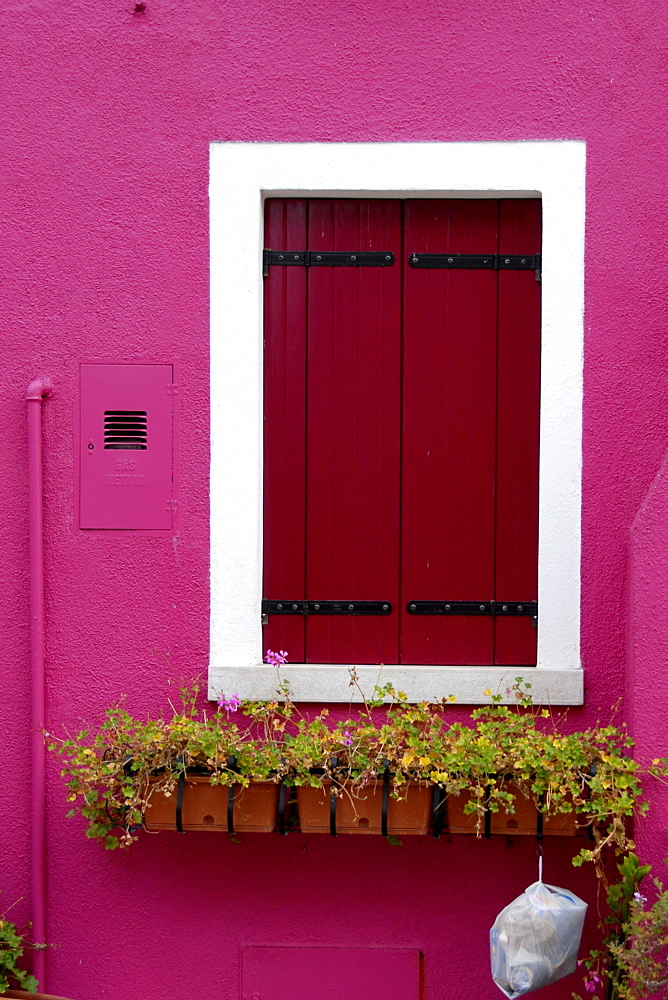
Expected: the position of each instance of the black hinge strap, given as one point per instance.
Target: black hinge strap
(477, 261)
(326, 607)
(498, 609)
(325, 258)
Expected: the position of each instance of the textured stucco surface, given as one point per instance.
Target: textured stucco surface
(107, 118)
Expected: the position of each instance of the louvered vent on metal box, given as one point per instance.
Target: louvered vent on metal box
(125, 430)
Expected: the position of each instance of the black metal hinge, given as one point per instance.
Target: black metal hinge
(498, 609)
(475, 261)
(325, 258)
(325, 608)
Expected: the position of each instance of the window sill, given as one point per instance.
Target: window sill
(316, 682)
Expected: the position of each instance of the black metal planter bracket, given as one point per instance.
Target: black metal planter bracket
(232, 765)
(385, 800)
(439, 811)
(180, 789)
(333, 800)
(282, 805)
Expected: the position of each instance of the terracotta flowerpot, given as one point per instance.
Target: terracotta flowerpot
(457, 820)
(560, 824)
(522, 823)
(359, 809)
(205, 807)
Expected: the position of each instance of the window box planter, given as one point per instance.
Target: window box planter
(197, 805)
(365, 809)
(159, 772)
(262, 806)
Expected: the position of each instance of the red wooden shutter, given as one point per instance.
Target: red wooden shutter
(353, 437)
(402, 471)
(285, 426)
(518, 431)
(449, 442)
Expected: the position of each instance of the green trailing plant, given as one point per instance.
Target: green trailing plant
(13, 944)
(502, 752)
(632, 962)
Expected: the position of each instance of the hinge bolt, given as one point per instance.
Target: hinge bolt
(279, 607)
(317, 607)
(412, 607)
(353, 257)
(482, 607)
(351, 607)
(294, 607)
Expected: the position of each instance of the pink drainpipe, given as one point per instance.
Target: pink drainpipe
(35, 393)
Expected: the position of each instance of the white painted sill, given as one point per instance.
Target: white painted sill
(323, 682)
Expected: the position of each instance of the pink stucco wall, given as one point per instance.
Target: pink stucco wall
(106, 120)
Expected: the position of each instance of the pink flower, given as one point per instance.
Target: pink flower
(230, 703)
(276, 659)
(347, 739)
(591, 983)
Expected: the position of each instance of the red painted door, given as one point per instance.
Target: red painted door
(401, 430)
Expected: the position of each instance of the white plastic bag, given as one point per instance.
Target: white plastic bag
(534, 941)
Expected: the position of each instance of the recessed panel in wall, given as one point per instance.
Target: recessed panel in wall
(312, 973)
(126, 447)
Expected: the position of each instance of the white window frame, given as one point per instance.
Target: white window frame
(242, 176)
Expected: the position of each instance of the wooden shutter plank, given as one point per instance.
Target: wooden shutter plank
(354, 391)
(285, 426)
(449, 390)
(518, 432)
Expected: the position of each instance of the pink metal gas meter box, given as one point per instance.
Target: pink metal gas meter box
(126, 446)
